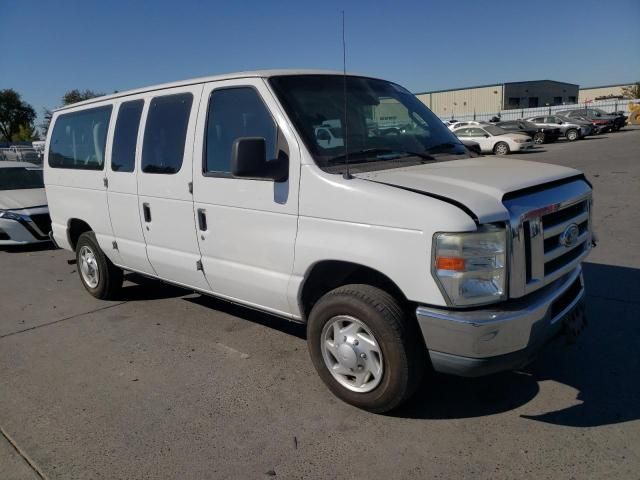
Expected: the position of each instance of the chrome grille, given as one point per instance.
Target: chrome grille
(550, 234)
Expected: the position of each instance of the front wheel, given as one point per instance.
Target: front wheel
(501, 148)
(539, 138)
(572, 135)
(100, 277)
(364, 347)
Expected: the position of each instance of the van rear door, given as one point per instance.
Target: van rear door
(164, 198)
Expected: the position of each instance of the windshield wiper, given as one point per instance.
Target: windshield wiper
(372, 152)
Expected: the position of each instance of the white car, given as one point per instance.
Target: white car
(457, 125)
(402, 254)
(495, 139)
(24, 215)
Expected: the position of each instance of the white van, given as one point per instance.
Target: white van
(403, 256)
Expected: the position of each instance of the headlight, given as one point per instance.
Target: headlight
(10, 215)
(470, 267)
(521, 140)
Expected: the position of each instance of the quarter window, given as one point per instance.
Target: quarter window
(165, 133)
(123, 154)
(78, 139)
(235, 113)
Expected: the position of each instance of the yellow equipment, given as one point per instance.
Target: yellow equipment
(634, 112)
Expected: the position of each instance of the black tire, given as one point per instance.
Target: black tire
(539, 138)
(403, 352)
(501, 148)
(572, 135)
(109, 278)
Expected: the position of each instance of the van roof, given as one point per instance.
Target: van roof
(212, 78)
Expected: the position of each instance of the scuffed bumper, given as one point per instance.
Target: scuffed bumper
(481, 342)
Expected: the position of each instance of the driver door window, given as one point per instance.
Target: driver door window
(235, 113)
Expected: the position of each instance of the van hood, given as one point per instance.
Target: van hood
(24, 198)
(477, 184)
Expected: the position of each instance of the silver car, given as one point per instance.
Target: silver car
(569, 128)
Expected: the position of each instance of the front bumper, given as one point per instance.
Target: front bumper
(14, 232)
(506, 337)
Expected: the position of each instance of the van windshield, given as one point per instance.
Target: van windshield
(386, 125)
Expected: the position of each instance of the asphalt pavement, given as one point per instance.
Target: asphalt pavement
(165, 383)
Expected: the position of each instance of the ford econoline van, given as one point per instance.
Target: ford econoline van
(402, 252)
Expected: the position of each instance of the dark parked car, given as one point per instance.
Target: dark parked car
(570, 128)
(601, 119)
(538, 134)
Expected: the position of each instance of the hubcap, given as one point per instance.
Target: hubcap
(352, 354)
(89, 267)
(502, 149)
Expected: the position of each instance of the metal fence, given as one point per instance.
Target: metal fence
(514, 114)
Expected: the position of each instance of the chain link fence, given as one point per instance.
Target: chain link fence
(514, 114)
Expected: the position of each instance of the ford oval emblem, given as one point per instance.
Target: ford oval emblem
(569, 237)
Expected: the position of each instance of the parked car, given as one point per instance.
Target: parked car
(539, 135)
(569, 129)
(473, 147)
(493, 139)
(18, 153)
(24, 215)
(603, 121)
(403, 255)
(456, 125)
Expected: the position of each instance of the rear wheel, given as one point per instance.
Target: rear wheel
(100, 277)
(501, 148)
(572, 135)
(364, 347)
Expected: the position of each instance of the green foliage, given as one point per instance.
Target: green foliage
(14, 113)
(75, 96)
(25, 133)
(632, 91)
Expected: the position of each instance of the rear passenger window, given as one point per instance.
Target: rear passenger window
(123, 153)
(165, 133)
(235, 113)
(78, 139)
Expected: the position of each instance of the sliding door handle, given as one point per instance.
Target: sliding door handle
(146, 210)
(202, 219)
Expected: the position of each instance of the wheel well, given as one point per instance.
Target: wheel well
(329, 274)
(75, 228)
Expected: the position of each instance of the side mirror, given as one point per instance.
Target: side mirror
(486, 135)
(249, 160)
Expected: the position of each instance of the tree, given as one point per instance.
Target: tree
(75, 96)
(14, 113)
(25, 133)
(632, 91)
(71, 96)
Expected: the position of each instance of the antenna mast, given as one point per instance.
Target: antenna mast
(346, 174)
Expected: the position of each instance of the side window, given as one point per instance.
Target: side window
(462, 132)
(235, 113)
(551, 120)
(165, 133)
(123, 153)
(78, 139)
(476, 132)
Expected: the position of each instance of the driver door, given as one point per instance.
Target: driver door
(246, 228)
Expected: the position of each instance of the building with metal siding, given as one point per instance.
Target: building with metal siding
(497, 97)
(601, 92)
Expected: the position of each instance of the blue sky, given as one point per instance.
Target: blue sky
(51, 47)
